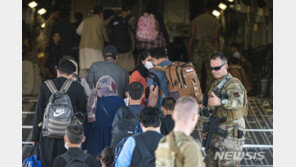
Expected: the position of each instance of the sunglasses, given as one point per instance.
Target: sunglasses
(217, 68)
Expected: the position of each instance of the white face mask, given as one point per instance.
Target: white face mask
(148, 65)
(66, 146)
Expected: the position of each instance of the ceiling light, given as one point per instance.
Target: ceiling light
(216, 13)
(43, 25)
(230, 0)
(32, 4)
(41, 11)
(222, 6)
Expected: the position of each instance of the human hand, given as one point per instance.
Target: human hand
(204, 135)
(154, 89)
(214, 100)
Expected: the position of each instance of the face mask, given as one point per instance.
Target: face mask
(148, 65)
(66, 146)
(126, 100)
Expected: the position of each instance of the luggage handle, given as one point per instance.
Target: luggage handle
(33, 148)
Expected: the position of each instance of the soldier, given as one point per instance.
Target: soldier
(233, 105)
(178, 148)
(204, 38)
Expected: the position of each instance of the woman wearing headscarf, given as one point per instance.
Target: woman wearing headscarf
(102, 105)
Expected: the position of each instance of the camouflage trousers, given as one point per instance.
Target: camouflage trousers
(229, 153)
(201, 54)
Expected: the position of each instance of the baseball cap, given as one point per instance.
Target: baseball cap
(110, 51)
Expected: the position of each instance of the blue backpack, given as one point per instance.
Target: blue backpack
(33, 160)
(118, 148)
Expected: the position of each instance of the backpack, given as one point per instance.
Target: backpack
(59, 111)
(148, 158)
(125, 126)
(33, 160)
(167, 152)
(238, 72)
(118, 148)
(119, 34)
(146, 30)
(182, 80)
(75, 161)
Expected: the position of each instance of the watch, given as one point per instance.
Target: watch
(223, 101)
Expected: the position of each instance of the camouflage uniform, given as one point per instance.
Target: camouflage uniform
(203, 46)
(233, 110)
(201, 54)
(188, 147)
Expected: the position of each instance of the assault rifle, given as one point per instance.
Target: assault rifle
(204, 111)
(211, 127)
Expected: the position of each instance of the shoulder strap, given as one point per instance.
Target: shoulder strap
(126, 111)
(51, 86)
(104, 109)
(142, 146)
(83, 156)
(174, 147)
(66, 85)
(155, 78)
(66, 157)
(159, 68)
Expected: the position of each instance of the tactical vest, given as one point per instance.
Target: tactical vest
(232, 114)
(168, 153)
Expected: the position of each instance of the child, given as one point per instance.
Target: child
(106, 157)
(167, 107)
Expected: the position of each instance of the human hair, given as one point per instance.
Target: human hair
(185, 107)
(78, 16)
(157, 53)
(235, 45)
(150, 117)
(135, 90)
(97, 9)
(75, 133)
(168, 103)
(219, 55)
(107, 13)
(144, 55)
(151, 7)
(106, 156)
(126, 7)
(66, 66)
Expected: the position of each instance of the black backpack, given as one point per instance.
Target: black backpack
(148, 159)
(119, 34)
(125, 126)
(75, 161)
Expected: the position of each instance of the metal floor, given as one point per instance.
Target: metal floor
(259, 136)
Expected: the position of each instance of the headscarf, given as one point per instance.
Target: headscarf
(105, 87)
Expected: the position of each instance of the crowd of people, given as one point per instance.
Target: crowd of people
(123, 113)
